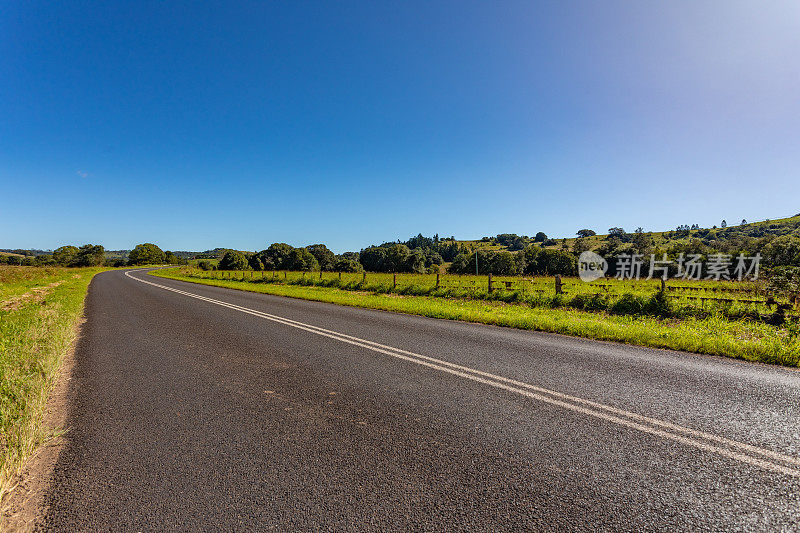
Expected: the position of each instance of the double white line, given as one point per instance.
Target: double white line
(708, 442)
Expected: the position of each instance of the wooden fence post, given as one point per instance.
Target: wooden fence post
(364, 279)
(559, 289)
(340, 276)
(663, 285)
(490, 283)
(437, 280)
(320, 273)
(394, 280)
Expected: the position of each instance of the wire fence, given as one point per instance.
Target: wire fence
(705, 294)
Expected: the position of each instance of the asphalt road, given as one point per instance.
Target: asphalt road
(202, 408)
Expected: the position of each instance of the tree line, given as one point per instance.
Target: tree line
(90, 255)
(418, 254)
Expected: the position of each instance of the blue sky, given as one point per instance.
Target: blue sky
(238, 124)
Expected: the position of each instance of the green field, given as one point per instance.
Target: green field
(40, 309)
(634, 313)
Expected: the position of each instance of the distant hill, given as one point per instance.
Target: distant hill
(734, 237)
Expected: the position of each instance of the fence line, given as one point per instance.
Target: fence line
(748, 295)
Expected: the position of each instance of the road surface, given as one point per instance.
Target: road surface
(203, 408)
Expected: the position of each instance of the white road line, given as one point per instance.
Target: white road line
(667, 430)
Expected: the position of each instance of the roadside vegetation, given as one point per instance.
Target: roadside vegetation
(40, 310)
(630, 312)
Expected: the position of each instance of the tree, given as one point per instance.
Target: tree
(581, 245)
(503, 263)
(586, 233)
(744, 221)
(324, 257)
(347, 265)
(172, 259)
(90, 255)
(233, 260)
(301, 259)
(415, 262)
(65, 255)
(397, 258)
(783, 251)
(616, 232)
(553, 262)
(373, 258)
(205, 265)
(542, 236)
(146, 254)
(529, 257)
(641, 242)
(276, 257)
(723, 224)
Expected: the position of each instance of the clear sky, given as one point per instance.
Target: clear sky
(237, 124)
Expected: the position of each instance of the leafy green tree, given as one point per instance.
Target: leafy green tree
(347, 265)
(783, 251)
(373, 259)
(415, 262)
(302, 259)
(397, 258)
(586, 233)
(172, 259)
(233, 260)
(324, 257)
(90, 255)
(530, 255)
(503, 263)
(551, 262)
(449, 249)
(540, 237)
(65, 255)
(146, 254)
(581, 245)
(277, 256)
(255, 261)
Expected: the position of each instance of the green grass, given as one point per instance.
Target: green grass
(40, 309)
(711, 334)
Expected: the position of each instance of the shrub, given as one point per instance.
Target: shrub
(627, 304)
(205, 265)
(658, 305)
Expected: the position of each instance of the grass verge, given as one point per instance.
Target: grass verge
(39, 315)
(714, 335)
